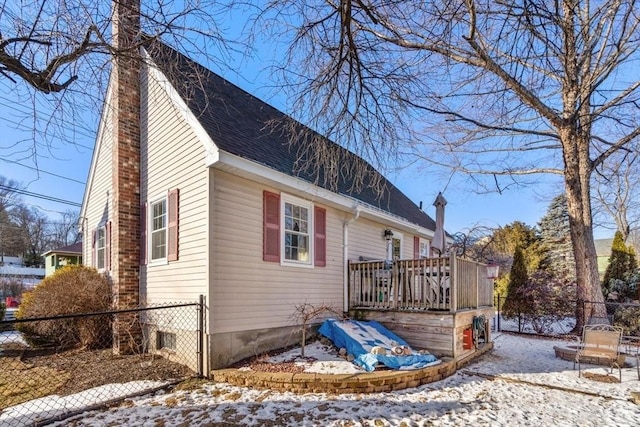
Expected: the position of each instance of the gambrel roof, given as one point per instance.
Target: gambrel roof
(240, 124)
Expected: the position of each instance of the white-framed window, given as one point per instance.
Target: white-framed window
(424, 249)
(158, 230)
(296, 230)
(101, 248)
(396, 245)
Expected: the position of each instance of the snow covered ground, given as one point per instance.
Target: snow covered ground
(532, 388)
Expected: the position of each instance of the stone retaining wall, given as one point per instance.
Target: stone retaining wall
(370, 382)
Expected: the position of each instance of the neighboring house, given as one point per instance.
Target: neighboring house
(15, 278)
(58, 258)
(603, 253)
(211, 204)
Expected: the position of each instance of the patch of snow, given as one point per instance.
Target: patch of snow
(55, 406)
(318, 358)
(12, 337)
(519, 383)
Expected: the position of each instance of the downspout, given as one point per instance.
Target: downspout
(345, 248)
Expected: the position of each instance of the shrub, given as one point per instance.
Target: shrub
(71, 290)
(629, 319)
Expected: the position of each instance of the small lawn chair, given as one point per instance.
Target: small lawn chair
(600, 345)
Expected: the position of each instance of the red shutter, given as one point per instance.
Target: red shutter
(143, 234)
(107, 249)
(271, 227)
(320, 236)
(172, 226)
(416, 247)
(93, 247)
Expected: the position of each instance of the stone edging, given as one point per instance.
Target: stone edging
(369, 382)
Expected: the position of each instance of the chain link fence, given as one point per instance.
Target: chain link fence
(94, 359)
(558, 317)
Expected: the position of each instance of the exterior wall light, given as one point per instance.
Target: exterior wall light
(492, 270)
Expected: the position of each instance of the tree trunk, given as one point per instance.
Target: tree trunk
(577, 185)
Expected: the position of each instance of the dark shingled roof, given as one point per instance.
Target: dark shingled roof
(70, 249)
(238, 123)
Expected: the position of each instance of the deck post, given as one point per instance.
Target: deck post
(477, 286)
(453, 285)
(395, 282)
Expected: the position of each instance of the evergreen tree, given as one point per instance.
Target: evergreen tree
(516, 302)
(621, 262)
(501, 245)
(554, 232)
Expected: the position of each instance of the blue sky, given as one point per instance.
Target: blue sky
(64, 167)
(71, 162)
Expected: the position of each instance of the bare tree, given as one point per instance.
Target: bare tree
(617, 185)
(65, 231)
(33, 229)
(498, 89)
(306, 312)
(55, 58)
(9, 197)
(474, 243)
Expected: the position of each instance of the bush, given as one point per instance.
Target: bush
(629, 319)
(71, 290)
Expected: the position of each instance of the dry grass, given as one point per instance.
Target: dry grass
(21, 382)
(27, 376)
(603, 378)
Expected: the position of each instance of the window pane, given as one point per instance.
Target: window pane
(159, 230)
(100, 248)
(158, 244)
(303, 248)
(100, 243)
(396, 248)
(296, 233)
(159, 215)
(100, 256)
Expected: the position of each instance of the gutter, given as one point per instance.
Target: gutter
(345, 249)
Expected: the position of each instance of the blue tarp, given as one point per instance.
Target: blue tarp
(358, 338)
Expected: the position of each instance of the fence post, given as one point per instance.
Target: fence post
(200, 349)
(498, 312)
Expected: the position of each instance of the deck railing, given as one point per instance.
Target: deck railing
(445, 283)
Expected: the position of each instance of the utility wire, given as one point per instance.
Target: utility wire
(21, 126)
(43, 171)
(40, 196)
(89, 132)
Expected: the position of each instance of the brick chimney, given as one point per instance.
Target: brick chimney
(125, 240)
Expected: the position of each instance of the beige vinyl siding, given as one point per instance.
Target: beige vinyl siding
(98, 203)
(366, 239)
(248, 293)
(173, 157)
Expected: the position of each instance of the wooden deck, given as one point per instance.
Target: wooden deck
(446, 283)
(428, 302)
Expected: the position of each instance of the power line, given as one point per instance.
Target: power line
(89, 132)
(40, 196)
(43, 171)
(21, 126)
